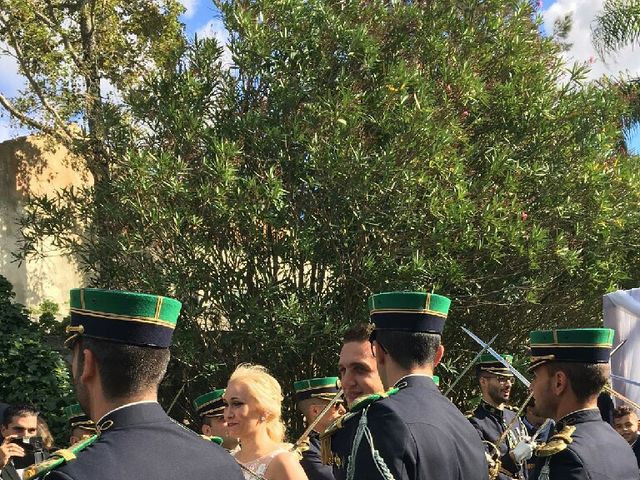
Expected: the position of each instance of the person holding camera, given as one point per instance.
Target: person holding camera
(19, 424)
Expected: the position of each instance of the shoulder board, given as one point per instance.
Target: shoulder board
(511, 407)
(216, 440)
(57, 459)
(337, 424)
(471, 413)
(364, 401)
(557, 442)
(301, 447)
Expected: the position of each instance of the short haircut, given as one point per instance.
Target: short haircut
(307, 403)
(587, 379)
(409, 349)
(358, 333)
(126, 370)
(18, 410)
(623, 411)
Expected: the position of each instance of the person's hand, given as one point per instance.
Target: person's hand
(8, 450)
(523, 450)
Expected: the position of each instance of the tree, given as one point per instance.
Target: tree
(617, 26)
(356, 148)
(30, 371)
(71, 54)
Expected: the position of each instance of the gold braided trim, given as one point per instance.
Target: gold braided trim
(557, 443)
(395, 310)
(65, 453)
(219, 399)
(126, 318)
(158, 308)
(330, 385)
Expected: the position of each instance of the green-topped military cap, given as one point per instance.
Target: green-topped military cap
(488, 364)
(78, 419)
(324, 388)
(436, 380)
(124, 317)
(409, 311)
(577, 345)
(210, 404)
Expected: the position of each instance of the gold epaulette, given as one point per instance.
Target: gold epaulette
(557, 443)
(57, 459)
(301, 447)
(325, 437)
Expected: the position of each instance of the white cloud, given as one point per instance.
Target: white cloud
(626, 61)
(190, 7)
(215, 29)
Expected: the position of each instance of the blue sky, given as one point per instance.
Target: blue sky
(202, 18)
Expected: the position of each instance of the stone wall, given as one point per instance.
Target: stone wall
(34, 165)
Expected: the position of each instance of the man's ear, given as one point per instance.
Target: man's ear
(89, 366)
(560, 382)
(379, 353)
(206, 430)
(438, 356)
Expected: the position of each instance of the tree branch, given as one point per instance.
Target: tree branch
(36, 88)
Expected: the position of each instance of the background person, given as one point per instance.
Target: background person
(210, 409)
(625, 421)
(253, 412)
(312, 397)
(17, 421)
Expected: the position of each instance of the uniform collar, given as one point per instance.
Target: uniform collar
(131, 414)
(579, 416)
(415, 380)
(491, 409)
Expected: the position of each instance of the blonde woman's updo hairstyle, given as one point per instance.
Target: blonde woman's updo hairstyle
(266, 391)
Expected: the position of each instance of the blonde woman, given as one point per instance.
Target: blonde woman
(253, 409)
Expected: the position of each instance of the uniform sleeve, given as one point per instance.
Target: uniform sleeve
(409, 453)
(390, 437)
(478, 429)
(567, 466)
(314, 468)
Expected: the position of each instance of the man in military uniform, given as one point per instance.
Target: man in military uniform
(210, 409)
(312, 397)
(120, 351)
(412, 431)
(492, 416)
(359, 378)
(80, 424)
(570, 368)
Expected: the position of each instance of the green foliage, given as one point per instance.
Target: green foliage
(30, 370)
(356, 148)
(617, 26)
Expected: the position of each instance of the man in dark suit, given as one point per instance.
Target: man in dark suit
(570, 368)
(412, 432)
(120, 351)
(312, 397)
(18, 421)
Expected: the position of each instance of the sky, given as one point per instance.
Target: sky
(201, 18)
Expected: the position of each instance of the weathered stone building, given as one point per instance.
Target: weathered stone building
(32, 165)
